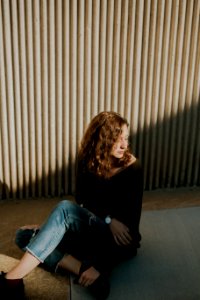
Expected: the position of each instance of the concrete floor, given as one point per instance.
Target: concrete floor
(171, 198)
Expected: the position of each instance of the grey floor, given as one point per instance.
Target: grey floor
(167, 266)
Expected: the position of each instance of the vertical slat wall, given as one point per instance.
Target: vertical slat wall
(63, 61)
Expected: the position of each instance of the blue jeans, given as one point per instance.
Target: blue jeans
(69, 229)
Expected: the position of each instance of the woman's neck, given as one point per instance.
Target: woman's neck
(115, 165)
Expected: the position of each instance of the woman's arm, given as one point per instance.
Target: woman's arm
(120, 232)
(127, 214)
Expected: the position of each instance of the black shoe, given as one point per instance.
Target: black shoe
(100, 288)
(11, 288)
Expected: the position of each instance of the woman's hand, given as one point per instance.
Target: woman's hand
(88, 277)
(120, 233)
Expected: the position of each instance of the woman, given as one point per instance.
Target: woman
(91, 236)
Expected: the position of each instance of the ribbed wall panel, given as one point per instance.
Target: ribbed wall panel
(63, 61)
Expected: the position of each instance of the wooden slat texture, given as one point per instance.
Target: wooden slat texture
(62, 62)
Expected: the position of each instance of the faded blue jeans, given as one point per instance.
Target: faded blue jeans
(69, 229)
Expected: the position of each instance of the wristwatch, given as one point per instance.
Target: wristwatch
(108, 220)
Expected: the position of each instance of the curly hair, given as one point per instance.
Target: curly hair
(96, 145)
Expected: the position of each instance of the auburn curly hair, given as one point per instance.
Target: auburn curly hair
(97, 142)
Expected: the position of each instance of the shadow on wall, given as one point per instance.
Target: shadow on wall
(4, 190)
(169, 152)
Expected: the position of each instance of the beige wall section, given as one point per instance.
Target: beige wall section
(63, 61)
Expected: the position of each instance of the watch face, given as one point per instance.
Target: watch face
(108, 220)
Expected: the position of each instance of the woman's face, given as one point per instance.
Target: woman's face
(121, 144)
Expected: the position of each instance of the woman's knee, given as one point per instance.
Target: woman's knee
(67, 205)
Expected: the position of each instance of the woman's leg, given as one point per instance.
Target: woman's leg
(24, 267)
(56, 261)
(70, 263)
(23, 237)
(66, 216)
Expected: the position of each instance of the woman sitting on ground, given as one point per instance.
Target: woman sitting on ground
(101, 229)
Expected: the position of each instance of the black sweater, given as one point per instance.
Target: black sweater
(119, 196)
